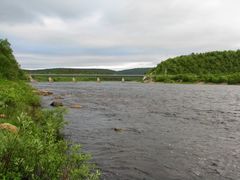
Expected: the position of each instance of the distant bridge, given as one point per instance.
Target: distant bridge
(99, 77)
(89, 75)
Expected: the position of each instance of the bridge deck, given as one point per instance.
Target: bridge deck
(88, 75)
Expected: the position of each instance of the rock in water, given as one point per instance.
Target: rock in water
(117, 129)
(56, 104)
(9, 127)
(44, 93)
(58, 97)
(76, 106)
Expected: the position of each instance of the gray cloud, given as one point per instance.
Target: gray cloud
(116, 33)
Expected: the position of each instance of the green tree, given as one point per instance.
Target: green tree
(9, 68)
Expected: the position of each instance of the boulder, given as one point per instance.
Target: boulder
(9, 127)
(44, 93)
(58, 97)
(56, 104)
(117, 129)
(2, 116)
(76, 106)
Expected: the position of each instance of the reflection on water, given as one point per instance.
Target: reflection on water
(155, 131)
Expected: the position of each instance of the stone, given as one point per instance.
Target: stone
(9, 127)
(44, 93)
(56, 104)
(117, 129)
(76, 106)
(2, 116)
(58, 97)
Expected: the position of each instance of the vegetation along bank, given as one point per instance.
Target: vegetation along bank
(31, 144)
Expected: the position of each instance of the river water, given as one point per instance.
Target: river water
(163, 131)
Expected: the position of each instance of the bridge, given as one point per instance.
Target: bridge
(98, 77)
(89, 75)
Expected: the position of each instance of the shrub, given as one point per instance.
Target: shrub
(234, 78)
(161, 78)
(37, 151)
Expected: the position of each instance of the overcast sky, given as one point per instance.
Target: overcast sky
(116, 34)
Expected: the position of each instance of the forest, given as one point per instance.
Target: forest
(210, 67)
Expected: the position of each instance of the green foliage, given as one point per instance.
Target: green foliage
(37, 151)
(224, 62)
(209, 78)
(9, 68)
(139, 71)
(177, 78)
(234, 78)
(211, 67)
(15, 97)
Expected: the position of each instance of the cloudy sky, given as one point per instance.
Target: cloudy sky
(116, 34)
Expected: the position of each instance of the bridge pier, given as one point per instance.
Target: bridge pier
(50, 79)
(73, 79)
(98, 80)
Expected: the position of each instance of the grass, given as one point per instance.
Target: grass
(37, 151)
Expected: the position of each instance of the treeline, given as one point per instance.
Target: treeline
(138, 71)
(70, 71)
(217, 62)
(210, 67)
(9, 68)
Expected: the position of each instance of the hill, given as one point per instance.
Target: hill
(210, 67)
(70, 71)
(217, 62)
(139, 71)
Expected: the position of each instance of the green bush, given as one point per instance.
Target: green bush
(37, 151)
(185, 78)
(161, 78)
(234, 78)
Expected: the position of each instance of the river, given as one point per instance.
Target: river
(154, 131)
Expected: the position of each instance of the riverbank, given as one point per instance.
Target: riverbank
(31, 144)
(230, 79)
